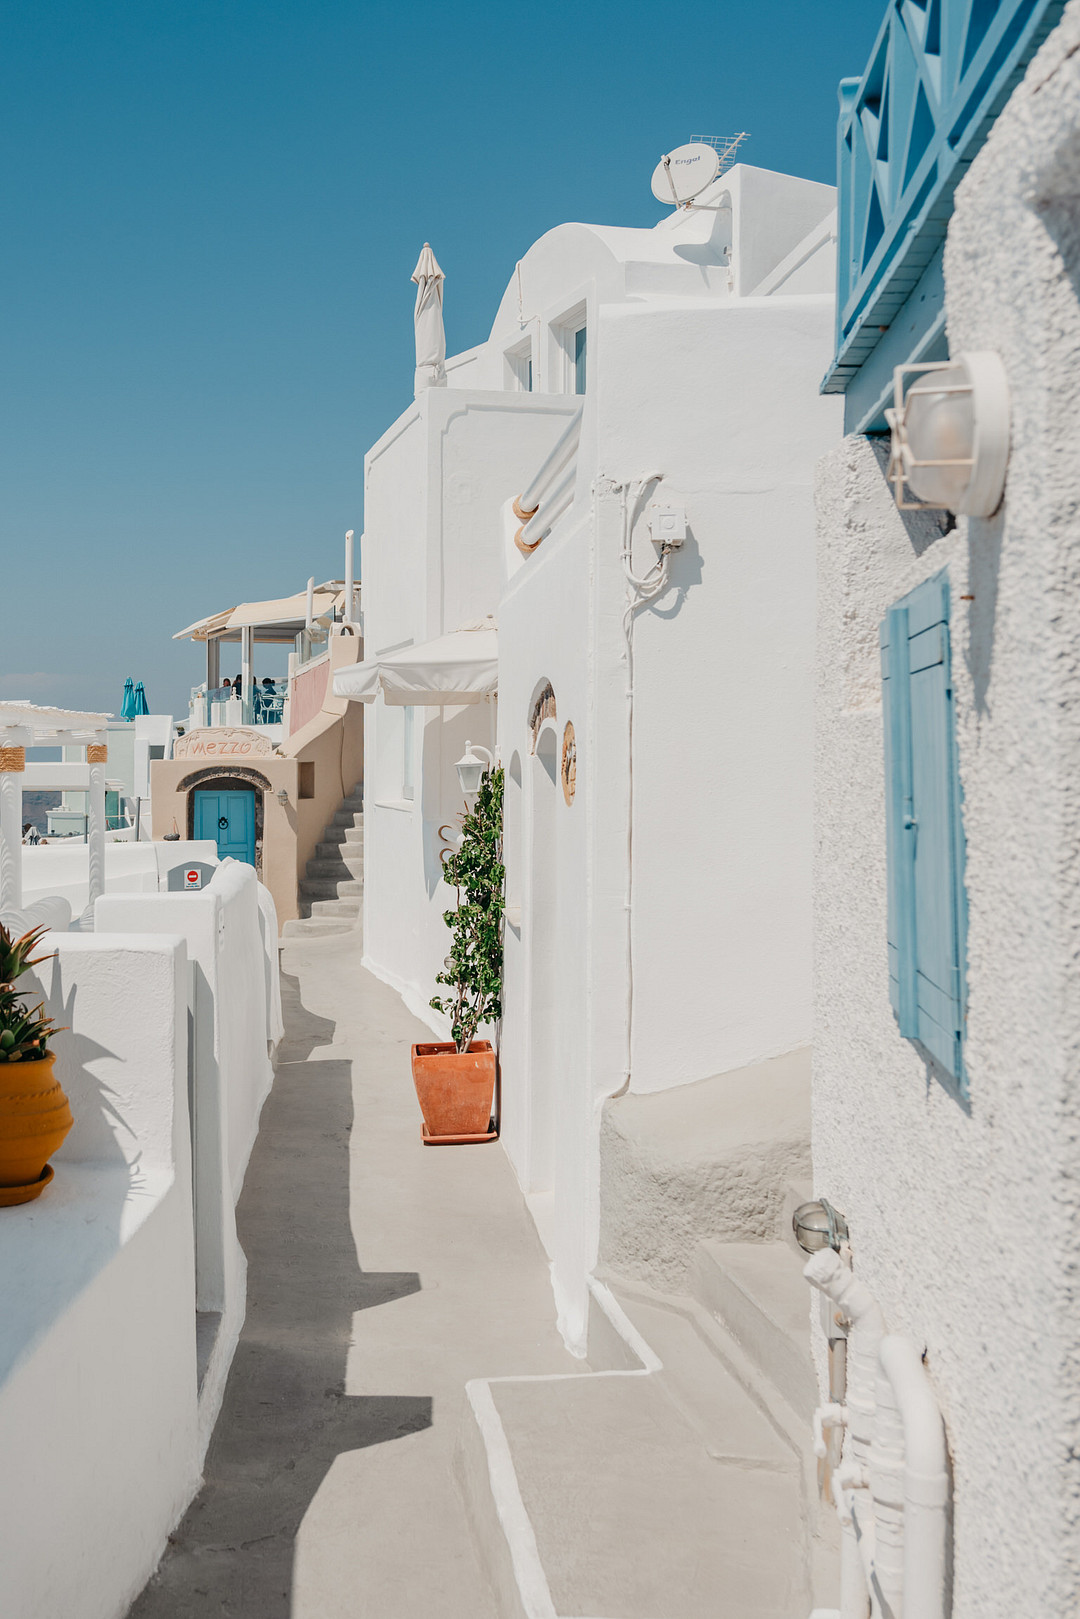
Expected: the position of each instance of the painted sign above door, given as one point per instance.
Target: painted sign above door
(222, 742)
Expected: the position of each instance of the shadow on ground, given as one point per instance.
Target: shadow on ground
(285, 1415)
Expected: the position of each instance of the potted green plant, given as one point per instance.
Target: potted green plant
(455, 1080)
(34, 1113)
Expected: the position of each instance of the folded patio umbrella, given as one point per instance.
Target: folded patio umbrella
(127, 707)
(428, 323)
(141, 705)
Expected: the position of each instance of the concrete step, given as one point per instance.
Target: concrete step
(332, 846)
(348, 817)
(316, 927)
(662, 1494)
(345, 865)
(331, 888)
(757, 1292)
(335, 907)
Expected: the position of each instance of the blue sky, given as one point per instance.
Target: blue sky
(210, 212)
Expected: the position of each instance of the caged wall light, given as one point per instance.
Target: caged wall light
(950, 434)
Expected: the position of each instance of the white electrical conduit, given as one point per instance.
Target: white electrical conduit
(564, 448)
(891, 1489)
(827, 1272)
(926, 1479)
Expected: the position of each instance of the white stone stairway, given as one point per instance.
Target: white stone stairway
(674, 1478)
(331, 893)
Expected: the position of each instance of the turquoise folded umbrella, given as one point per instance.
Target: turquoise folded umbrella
(141, 705)
(127, 707)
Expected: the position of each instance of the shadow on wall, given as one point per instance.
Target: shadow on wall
(60, 1264)
(285, 1417)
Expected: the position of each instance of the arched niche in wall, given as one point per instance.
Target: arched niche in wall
(541, 708)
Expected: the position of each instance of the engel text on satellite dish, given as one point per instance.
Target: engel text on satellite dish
(683, 173)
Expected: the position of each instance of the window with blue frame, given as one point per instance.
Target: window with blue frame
(927, 929)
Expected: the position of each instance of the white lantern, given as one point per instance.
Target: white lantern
(950, 434)
(471, 767)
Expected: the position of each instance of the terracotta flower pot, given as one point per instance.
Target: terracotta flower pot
(34, 1120)
(455, 1091)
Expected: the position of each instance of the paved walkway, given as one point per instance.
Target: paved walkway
(382, 1275)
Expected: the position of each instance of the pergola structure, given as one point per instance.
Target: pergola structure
(26, 725)
(268, 622)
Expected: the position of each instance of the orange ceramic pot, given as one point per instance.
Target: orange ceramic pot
(455, 1091)
(34, 1119)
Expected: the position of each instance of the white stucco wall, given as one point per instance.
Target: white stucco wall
(62, 868)
(98, 1411)
(232, 1073)
(434, 560)
(964, 1219)
(706, 340)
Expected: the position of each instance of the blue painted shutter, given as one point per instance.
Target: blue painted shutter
(924, 831)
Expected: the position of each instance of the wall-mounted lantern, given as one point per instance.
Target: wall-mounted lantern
(282, 796)
(471, 767)
(950, 434)
(818, 1225)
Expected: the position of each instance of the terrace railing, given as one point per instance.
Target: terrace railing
(938, 76)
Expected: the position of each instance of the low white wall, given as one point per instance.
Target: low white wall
(62, 868)
(227, 944)
(98, 1411)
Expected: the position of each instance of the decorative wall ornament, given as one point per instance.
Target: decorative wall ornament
(568, 770)
(543, 708)
(222, 742)
(97, 753)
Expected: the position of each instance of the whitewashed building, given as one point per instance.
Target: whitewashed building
(946, 1095)
(592, 551)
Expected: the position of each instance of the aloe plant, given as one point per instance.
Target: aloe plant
(15, 955)
(24, 1032)
(474, 966)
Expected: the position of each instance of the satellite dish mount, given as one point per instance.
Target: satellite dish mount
(683, 174)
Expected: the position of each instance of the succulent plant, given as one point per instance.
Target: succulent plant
(24, 1032)
(15, 955)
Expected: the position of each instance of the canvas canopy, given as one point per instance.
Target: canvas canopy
(459, 668)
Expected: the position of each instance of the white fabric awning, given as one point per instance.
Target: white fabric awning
(459, 668)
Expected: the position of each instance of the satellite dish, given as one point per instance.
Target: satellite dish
(683, 173)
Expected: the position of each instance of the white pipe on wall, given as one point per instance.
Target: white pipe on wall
(926, 1479)
(827, 1272)
(350, 588)
(891, 1488)
(563, 449)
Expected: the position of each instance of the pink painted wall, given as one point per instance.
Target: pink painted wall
(308, 692)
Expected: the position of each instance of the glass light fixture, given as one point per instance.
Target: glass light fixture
(471, 767)
(950, 434)
(818, 1225)
(282, 796)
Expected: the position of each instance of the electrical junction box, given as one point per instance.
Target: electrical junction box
(667, 524)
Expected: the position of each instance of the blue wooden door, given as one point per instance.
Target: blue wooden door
(229, 819)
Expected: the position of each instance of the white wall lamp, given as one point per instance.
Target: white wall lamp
(950, 434)
(471, 767)
(282, 796)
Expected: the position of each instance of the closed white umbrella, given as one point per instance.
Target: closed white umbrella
(428, 322)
